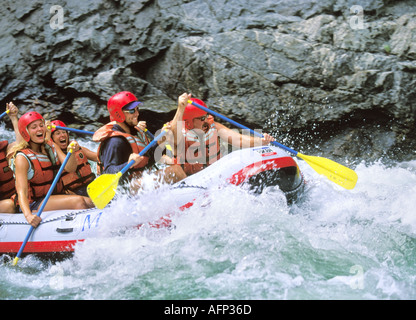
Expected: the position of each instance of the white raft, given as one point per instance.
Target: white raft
(60, 230)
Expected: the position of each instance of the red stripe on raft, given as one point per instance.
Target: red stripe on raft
(166, 221)
(39, 246)
(255, 168)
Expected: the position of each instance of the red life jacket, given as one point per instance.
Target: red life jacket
(137, 144)
(82, 176)
(7, 183)
(199, 156)
(45, 168)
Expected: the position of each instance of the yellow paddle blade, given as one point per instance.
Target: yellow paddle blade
(103, 189)
(341, 175)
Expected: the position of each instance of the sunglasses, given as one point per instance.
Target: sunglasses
(202, 118)
(131, 111)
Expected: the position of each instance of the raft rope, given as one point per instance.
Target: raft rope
(184, 185)
(70, 216)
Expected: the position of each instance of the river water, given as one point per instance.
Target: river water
(333, 244)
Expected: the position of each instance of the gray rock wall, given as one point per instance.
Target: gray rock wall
(328, 73)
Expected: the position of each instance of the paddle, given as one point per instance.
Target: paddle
(89, 132)
(341, 175)
(149, 133)
(72, 129)
(103, 189)
(4, 113)
(55, 181)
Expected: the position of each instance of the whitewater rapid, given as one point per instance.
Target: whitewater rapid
(332, 244)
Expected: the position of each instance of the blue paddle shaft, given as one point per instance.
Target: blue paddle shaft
(127, 167)
(149, 134)
(242, 127)
(3, 114)
(90, 132)
(74, 130)
(55, 181)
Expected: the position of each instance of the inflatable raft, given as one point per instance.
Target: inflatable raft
(59, 231)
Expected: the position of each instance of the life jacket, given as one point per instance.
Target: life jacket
(82, 176)
(7, 182)
(137, 143)
(197, 156)
(45, 169)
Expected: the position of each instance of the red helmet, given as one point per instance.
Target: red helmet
(191, 112)
(25, 120)
(117, 102)
(57, 123)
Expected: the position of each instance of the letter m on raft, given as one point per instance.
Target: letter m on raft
(88, 222)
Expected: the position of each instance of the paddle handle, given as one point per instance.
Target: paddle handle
(55, 181)
(241, 126)
(4, 113)
(149, 134)
(151, 144)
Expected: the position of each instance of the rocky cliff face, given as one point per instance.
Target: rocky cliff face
(338, 75)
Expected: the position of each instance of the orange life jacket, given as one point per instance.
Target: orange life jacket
(82, 176)
(137, 143)
(45, 169)
(201, 149)
(7, 183)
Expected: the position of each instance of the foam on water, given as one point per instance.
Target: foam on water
(333, 244)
